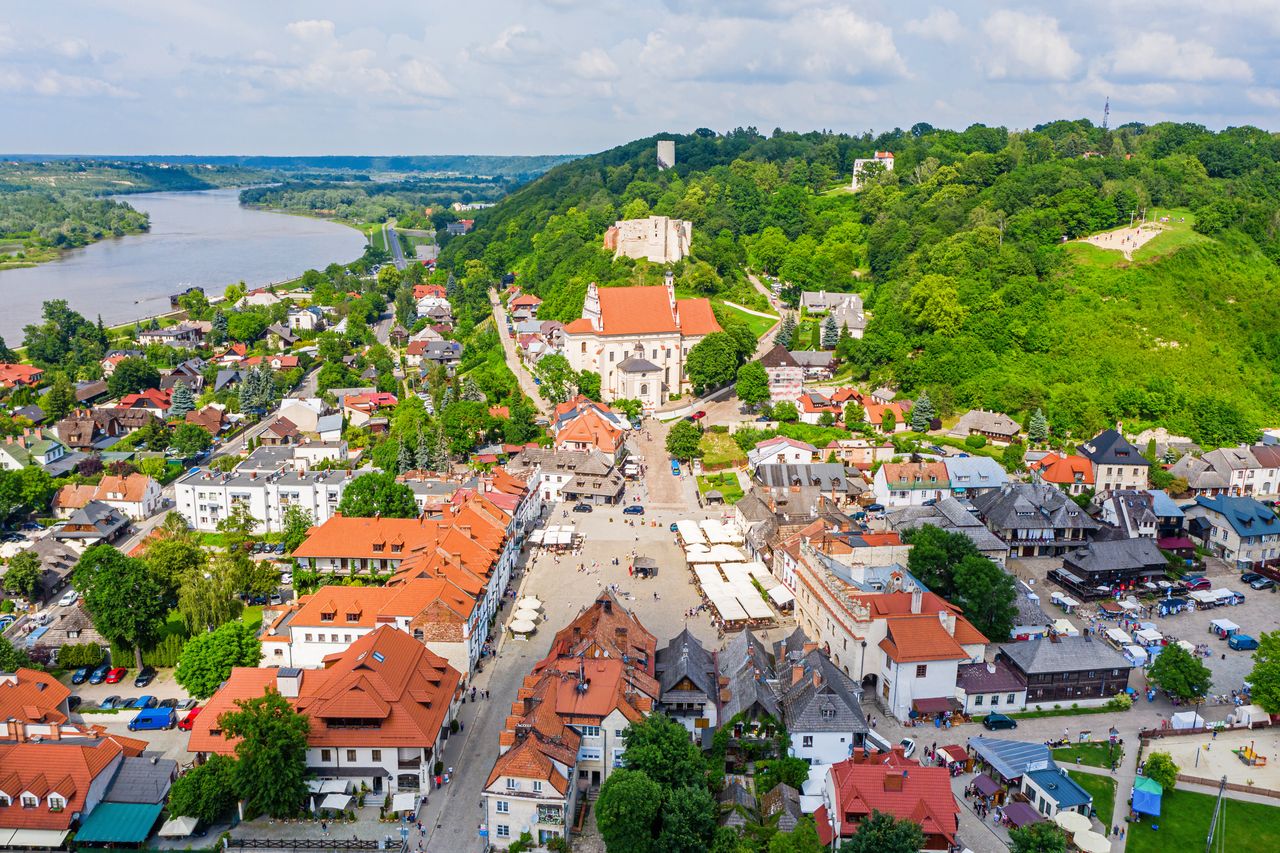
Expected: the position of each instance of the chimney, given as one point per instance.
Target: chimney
(991, 667)
(289, 682)
(892, 782)
(917, 601)
(797, 673)
(817, 678)
(948, 620)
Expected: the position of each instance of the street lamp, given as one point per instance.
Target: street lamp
(862, 664)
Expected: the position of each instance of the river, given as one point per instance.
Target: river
(196, 238)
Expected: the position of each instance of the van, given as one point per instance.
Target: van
(875, 739)
(152, 719)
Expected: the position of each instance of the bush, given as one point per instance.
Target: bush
(81, 654)
(974, 442)
(1120, 702)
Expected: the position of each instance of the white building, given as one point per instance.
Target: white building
(781, 450)
(902, 484)
(659, 239)
(207, 497)
(869, 165)
(922, 653)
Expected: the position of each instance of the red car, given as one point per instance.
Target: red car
(114, 676)
(1194, 584)
(698, 415)
(190, 718)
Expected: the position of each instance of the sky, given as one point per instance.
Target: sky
(571, 76)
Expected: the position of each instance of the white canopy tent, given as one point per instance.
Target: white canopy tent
(336, 802)
(1073, 821)
(529, 602)
(1187, 647)
(522, 627)
(1091, 842)
(1136, 655)
(525, 614)
(1149, 637)
(179, 827)
(1064, 626)
(1186, 720)
(404, 802)
(328, 786)
(1224, 626)
(1120, 637)
(781, 596)
(690, 533)
(717, 532)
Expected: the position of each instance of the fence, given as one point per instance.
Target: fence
(388, 843)
(1231, 786)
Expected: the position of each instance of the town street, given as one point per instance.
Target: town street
(517, 366)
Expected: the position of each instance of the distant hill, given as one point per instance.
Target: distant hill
(460, 164)
(959, 253)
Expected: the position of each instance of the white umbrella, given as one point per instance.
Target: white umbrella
(524, 614)
(522, 626)
(529, 602)
(1073, 822)
(1091, 842)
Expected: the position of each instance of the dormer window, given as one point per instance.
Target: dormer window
(328, 616)
(353, 617)
(396, 549)
(379, 547)
(5, 802)
(56, 802)
(30, 801)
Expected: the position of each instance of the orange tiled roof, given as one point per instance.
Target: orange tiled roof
(526, 760)
(130, 489)
(152, 398)
(605, 629)
(918, 794)
(590, 428)
(923, 637)
(525, 299)
(1064, 470)
(32, 697)
(696, 317)
(19, 374)
(68, 768)
(646, 310)
(72, 496)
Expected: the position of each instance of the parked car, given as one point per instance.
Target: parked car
(69, 598)
(875, 508)
(582, 507)
(81, 675)
(992, 722)
(167, 703)
(255, 599)
(190, 718)
(143, 702)
(100, 674)
(286, 578)
(1242, 642)
(675, 467)
(279, 549)
(1194, 584)
(116, 674)
(146, 675)
(633, 509)
(1263, 583)
(908, 746)
(698, 415)
(275, 598)
(1249, 577)
(110, 703)
(186, 704)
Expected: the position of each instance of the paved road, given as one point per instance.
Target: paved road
(393, 246)
(513, 359)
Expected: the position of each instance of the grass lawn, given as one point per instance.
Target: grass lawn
(376, 237)
(726, 483)
(1176, 235)
(1103, 791)
(252, 616)
(719, 448)
(1093, 754)
(808, 335)
(758, 325)
(1184, 825)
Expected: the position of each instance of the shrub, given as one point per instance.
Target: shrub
(974, 442)
(1120, 702)
(77, 655)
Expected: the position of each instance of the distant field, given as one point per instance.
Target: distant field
(1177, 233)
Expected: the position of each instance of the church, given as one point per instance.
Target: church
(637, 339)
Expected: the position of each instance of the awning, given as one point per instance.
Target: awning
(119, 823)
(38, 838)
(954, 752)
(780, 596)
(1175, 543)
(5, 836)
(179, 827)
(985, 784)
(337, 802)
(1021, 814)
(935, 706)
(405, 802)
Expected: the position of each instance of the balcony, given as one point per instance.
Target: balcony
(550, 817)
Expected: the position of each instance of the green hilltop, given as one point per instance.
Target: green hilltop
(966, 255)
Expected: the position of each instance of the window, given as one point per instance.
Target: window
(502, 830)
(351, 755)
(56, 802)
(326, 755)
(977, 701)
(376, 755)
(512, 784)
(308, 638)
(328, 616)
(29, 801)
(995, 700)
(921, 670)
(379, 547)
(828, 713)
(806, 741)
(537, 786)
(591, 731)
(617, 732)
(503, 807)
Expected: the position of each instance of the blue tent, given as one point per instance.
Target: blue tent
(1146, 796)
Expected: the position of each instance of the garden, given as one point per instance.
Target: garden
(726, 483)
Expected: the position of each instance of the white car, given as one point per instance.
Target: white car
(908, 747)
(69, 599)
(286, 578)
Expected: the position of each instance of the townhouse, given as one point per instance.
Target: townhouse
(1241, 530)
(786, 375)
(1069, 472)
(1034, 519)
(900, 484)
(1240, 471)
(206, 497)
(1117, 464)
(899, 787)
(136, 496)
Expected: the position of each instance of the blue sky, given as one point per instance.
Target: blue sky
(550, 76)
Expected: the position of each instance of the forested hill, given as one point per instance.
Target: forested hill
(960, 255)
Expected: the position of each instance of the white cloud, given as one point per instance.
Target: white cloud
(1027, 48)
(939, 25)
(55, 84)
(1160, 56)
(516, 44)
(594, 64)
(1267, 98)
(312, 30)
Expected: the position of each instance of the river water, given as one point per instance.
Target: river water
(196, 238)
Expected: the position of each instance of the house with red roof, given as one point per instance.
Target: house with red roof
(524, 307)
(1071, 473)
(152, 400)
(638, 340)
(360, 408)
(275, 361)
(901, 788)
(15, 375)
(379, 711)
(591, 431)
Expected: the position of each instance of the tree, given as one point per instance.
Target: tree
(1013, 456)
(59, 400)
(377, 494)
(830, 332)
(1160, 767)
(404, 458)
(296, 522)
(23, 575)
(922, 413)
(470, 390)
(1265, 677)
(683, 441)
(986, 594)
(12, 658)
(786, 332)
(465, 423)
(238, 527)
(207, 791)
(589, 384)
(127, 601)
(131, 376)
(257, 388)
(207, 659)
(854, 414)
(660, 748)
(933, 552)
(1179, 674)
(559, 380)
(206, 597)
(189, 440)
(889, 421)
(753, 384)
(802, 839)
(1038, 428)
(688, 819)
(182, 401)
(1040, 837)
(271, 772)
(218, 334)
(173, 557)
(786, 412)
(627, 812)
(882, 833)
(712, 362)
(788, 770)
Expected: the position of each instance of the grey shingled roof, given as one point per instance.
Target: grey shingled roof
(1031, 506)
(825, 475)
(833, 705)
(746, 663)
(1115, 555)
(684, 657)
(139, 780)
(1111, 448)
(783, 801)
(1063, 654)
(637, 365)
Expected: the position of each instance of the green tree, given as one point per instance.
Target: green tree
(802, 839)
(683, 441)
(888, 421)
(1012, 457)
(131, 376)
(933, 553)
(59, 400)
(786, 412)
(786, 770)
(1265, 677)
(830, 332)
(404, 457)
(922, 413)
(627, 812)
(12, 658)
(753, 384)
(182, 400)
(23, 492)
(377, 494)
(207, 659)
(1038, 428)
(271, 770)
(660, 748)
(297, 521)
(589, 384)
(172, 557)
(238, 527)
(854, 414)
(1040, 837)
(127, 601)
(882, 833)
(1160, 767)
(559, 380)
(688, 819)
(986, 594)
(206, 792)
(206, 597)
(218, 334)
(189, 439)
(23, 575)
(465, 423)
(1179, 674)
(712, 361)
(786, 332)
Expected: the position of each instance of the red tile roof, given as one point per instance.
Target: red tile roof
(152, 398)
(68, 768)
(923, 637)
(646, 310)
(605, 629)
(919, 794)
(19, 374)
(32, 696)
(1063, 470)
(591, 429)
